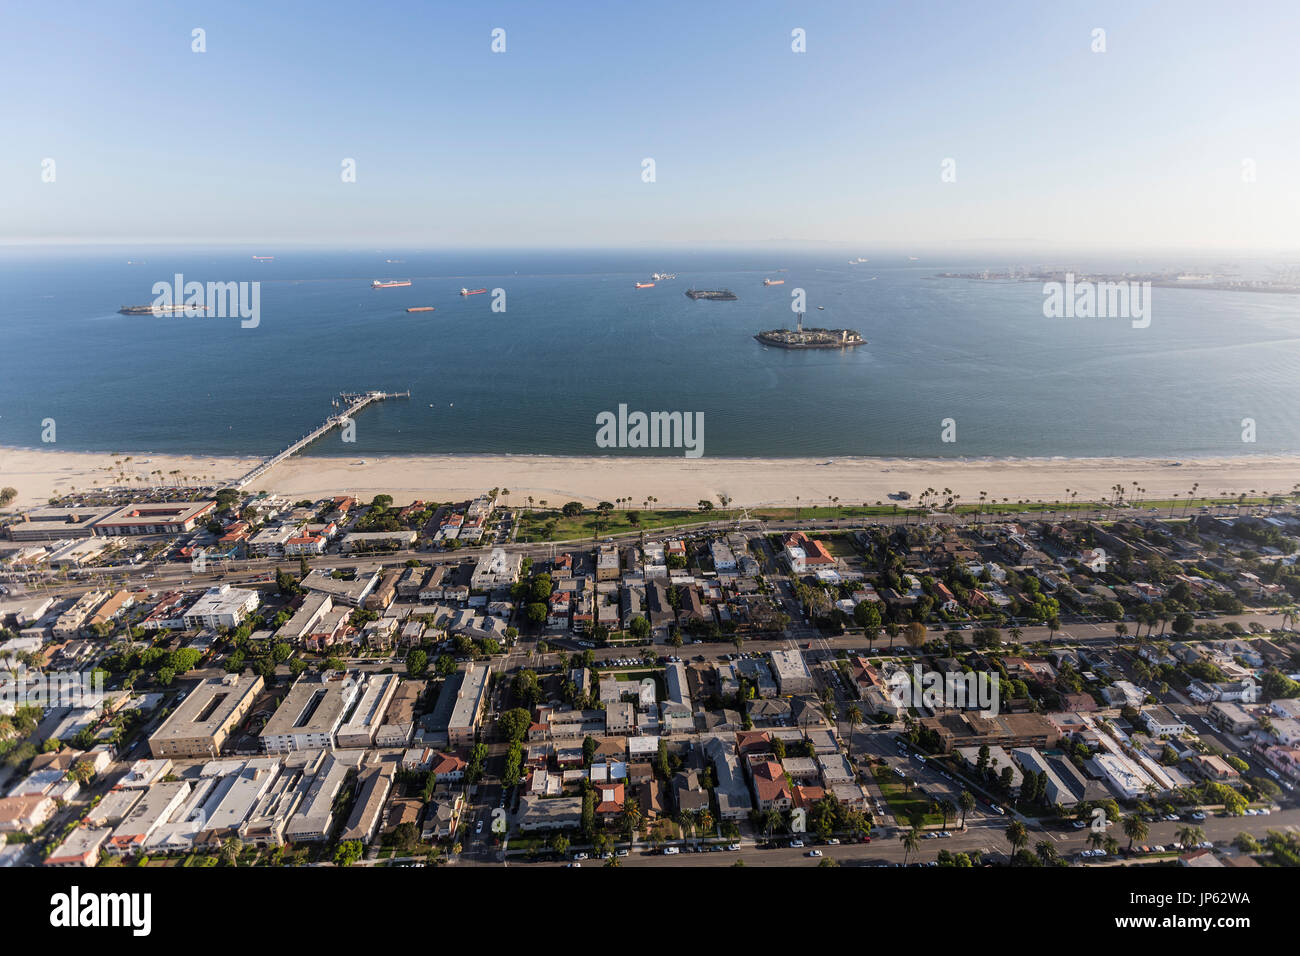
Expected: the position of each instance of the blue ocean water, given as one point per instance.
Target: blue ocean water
(578, 338)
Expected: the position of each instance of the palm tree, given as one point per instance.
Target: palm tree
(1135, 828)
(1190, 836)
(1017, 836)
(965, 800)
(771, 820)
(854, 714)
(1096, 838)
(1046, 851)
(911, 843)
(948, 809)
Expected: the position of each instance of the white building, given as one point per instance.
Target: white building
(496, 570)
(221, 606)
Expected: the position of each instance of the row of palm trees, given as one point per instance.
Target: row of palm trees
(1134, 827)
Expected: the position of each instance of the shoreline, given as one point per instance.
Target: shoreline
(40, 473)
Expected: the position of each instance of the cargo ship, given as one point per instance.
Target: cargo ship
(720, 295)
(801, 338)
(420, 308)
(390, 284)
(664, 275)
(645, 285)
(158, 309)
(472, 291)
(773, 282)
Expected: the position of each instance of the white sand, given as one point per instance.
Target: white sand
(39, 473)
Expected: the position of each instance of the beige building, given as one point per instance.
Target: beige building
(200, 725)
(468, 709)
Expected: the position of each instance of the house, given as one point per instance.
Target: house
(1160, 721)
(1231, 717)
(557, 813)
(771, 789)
(610, 798)
(80, 847)
(1213, 767)
(25, 814)
(689, 795)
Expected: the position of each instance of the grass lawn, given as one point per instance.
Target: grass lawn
(532, 524)
(902, 804)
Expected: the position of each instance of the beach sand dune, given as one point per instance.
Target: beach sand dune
(38, 474)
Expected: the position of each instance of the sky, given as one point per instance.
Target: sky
(1183, 133)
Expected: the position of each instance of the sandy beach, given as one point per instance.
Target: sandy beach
(38, 474)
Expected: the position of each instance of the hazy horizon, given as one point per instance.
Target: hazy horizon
(897, 127)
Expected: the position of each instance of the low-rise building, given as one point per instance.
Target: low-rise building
(200, 726)
(311, 714)
(221, 606)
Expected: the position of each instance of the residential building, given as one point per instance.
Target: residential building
(221, 606)
(201, 724)
(311, 713)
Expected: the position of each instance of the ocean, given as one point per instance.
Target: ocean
(975, 361)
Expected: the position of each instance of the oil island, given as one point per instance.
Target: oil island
(802, 338)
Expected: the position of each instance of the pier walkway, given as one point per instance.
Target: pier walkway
(352, 402)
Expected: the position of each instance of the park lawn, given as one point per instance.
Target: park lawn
(827, 511)
(585, 525)
(903, 804)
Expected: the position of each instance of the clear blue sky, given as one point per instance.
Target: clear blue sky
(1139, 146)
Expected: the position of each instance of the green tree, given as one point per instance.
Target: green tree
(348, 852)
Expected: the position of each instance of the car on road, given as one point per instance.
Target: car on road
(479, 827)
(623, 851)
(671, 851)
(833, 841)
(579, 856)
(796, 844)
(814, 852)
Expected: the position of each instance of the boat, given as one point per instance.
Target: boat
(821, 308)
(420, 308)
(158, 309)
(472, 291)
(645, 285)
(664, 275)
(389, 284)
(773, 282)
(264, 258)
(721, 295)
(801, 338)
